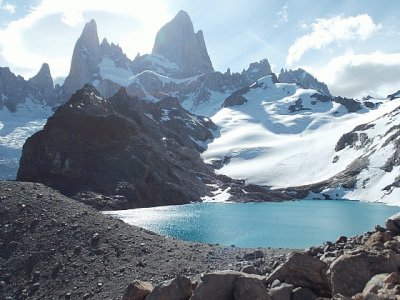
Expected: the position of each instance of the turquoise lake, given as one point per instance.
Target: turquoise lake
(292, 224)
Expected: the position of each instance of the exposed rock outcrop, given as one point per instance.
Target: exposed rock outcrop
(178, 42)
(118, 153)
(303, 79)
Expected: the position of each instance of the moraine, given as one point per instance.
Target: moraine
(293, 224)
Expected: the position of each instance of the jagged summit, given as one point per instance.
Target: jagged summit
(85, 58)
(43, 79)
(178, 42)
(303, 79)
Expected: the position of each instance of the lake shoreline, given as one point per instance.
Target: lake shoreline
(266, 224)
(75, 249)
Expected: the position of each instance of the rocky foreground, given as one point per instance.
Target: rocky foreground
(52, 247)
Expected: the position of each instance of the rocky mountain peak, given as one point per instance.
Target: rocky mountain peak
(178, 42)
(89, 36)
(43, 80)
(85, 58)
(303, 79)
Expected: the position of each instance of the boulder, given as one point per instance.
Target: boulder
(393, 223)
(217, 285)
(221, 285)
(137, 290)
(301, 293)
(303, 270)
(349, 273)
(381, 237)
(249, 288)
(179, 288)
(383, 286)
(281, 292)
(251, 269)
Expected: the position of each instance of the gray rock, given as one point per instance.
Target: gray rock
(251, 269)
(221, 285)
(216, 286)
(249, 288)
(301, 293)
(178, 42)
(137, 290)
(303, 270)
(179, 288)
(349, 273)
(281, 292)
(85, 59)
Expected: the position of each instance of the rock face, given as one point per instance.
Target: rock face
(85, 58)
(178, 42)
(88, 145)
(43, 80)
(303, 79)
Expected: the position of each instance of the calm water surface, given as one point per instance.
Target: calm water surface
(294, 224)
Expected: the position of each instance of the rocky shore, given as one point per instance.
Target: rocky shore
(53, 247)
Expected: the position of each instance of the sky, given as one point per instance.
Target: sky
(351, 45)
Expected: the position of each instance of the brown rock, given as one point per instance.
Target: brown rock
(393, 245)
(179, 288)
(303, 270)
(349, 273)
(382, 286)
(378, 236)
(393, 223)
(137, 290)
(341, 239)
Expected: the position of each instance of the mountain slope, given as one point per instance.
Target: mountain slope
(123, 153)
(281, 136)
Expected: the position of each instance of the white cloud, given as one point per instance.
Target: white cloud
(283, 14)
(26, 43)
(358, 75)
(8, 7)
(327, 31)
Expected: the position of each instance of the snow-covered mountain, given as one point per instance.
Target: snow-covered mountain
(179, 66)
(279, 135)
(286, 132)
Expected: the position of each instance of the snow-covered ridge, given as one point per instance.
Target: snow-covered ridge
(278, 141)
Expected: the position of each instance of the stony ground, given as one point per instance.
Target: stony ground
(52, 247)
